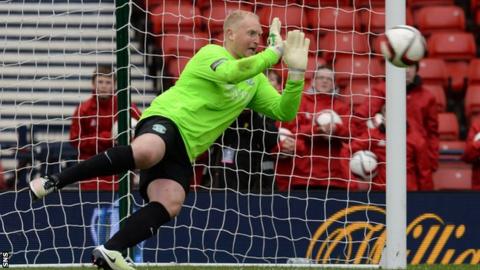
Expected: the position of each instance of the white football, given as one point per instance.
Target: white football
(404, 46)
(477, 137)
(133, 122)
(328, 117)
(283, 133)
(375, 121)
(364, 164)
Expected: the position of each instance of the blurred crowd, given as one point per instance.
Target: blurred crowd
(335, 142)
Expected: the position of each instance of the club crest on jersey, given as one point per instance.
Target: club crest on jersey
(159, 128)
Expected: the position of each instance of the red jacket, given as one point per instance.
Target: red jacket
(91, 133)
(472, 152)
(286, 170)
(372, 105)
(418, 170)
(316, 161)
(3, 184)
(422, 114)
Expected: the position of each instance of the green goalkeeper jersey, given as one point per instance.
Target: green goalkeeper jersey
(214, 88)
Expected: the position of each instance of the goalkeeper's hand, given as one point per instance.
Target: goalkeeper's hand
(274, 38)
(296, 54)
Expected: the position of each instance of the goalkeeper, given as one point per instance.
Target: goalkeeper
(217, 84)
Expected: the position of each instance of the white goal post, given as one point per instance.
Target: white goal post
(396, 194)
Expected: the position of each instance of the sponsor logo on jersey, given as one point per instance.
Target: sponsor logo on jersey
(233, 92)
(159, 128)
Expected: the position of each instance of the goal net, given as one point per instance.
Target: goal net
(251, 200)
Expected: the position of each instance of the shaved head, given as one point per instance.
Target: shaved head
(242, 33)
(235, 17)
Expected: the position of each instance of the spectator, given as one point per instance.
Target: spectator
(90, 134)
(472, 151)
(422, 112)
(3, 182)
(92, 121)
(274, 79)
(241, 156)
(418, 168)
(315, 162)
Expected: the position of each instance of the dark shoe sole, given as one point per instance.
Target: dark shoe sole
(99, 261)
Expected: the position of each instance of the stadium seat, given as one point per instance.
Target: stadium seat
(206, 4)
(375, 44)
(356, 93)
(292, 16)
(217, 38)
(477, 17)
(453, 176)
(361, 69)
(457, 75)
(368, 3)
(448, 128)
(327, 19)
(325, 3)
(475, 4)
(266, 3)
(415, 4)
(374, 20)
(175, 66)
(214, 16)
(151, 4)
(439, 94)
(472, 100)
(314, 39)
(172, 17)
(313, 63)
(335, 44)
(451, 149)
(432, 19)
(475, 8)
(182, 44)
(452, 45)
(433, 71)
(474, 72)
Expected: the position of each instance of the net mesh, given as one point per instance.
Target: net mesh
(249, 201)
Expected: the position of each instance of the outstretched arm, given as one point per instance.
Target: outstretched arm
(284, 107)
(215, 64)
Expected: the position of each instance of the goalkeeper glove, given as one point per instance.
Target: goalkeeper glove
(296, 54)
(274, 38)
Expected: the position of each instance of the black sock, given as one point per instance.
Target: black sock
(113, 161)
(141, 225)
